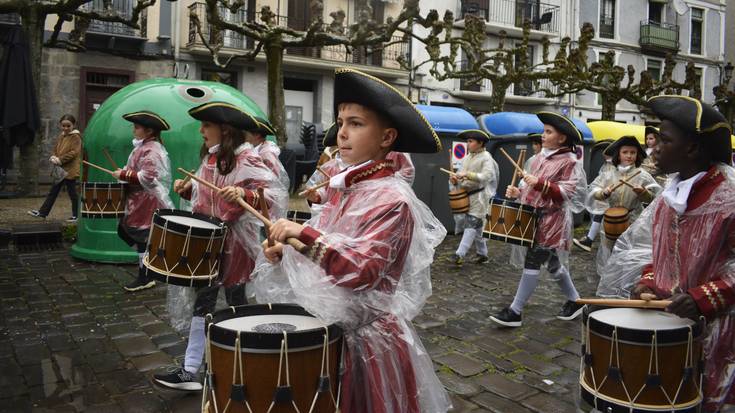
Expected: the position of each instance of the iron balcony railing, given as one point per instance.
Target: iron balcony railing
(386, 56)
(122, 8)
(542, 16)
(528, 88)
(661, 36)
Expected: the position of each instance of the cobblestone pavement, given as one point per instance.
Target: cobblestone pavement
(72, 340)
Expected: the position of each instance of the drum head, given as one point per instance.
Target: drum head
(261, 328)
(190, 221)
(183, 222)
(638, 325)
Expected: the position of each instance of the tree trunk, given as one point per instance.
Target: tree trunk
(33, 22)
(498, 96)
(276, 99)
(608, 108)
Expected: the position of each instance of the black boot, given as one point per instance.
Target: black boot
(142, 282)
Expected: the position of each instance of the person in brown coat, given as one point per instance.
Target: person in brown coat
(66, 161)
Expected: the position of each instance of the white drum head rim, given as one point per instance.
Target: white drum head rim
(640, 319)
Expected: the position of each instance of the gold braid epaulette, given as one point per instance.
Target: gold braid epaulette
(369, 172)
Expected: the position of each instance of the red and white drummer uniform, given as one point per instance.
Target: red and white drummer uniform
(694, 252)
(269, 152)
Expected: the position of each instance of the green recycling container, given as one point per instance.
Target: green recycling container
(97, 239)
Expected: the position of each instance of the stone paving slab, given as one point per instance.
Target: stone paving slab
(72, 340)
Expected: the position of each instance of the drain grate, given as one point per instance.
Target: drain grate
(37, 237)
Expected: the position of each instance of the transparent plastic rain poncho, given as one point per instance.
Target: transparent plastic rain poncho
(269, 152)
(484, 171)
(623, 196)
(554, 229)
(706, 235)
(150, 162)
(371, 276)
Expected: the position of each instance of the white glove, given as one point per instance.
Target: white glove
(55, 160)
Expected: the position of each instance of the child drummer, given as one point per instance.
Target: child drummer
(479, 177)
(239, 172)
(686, 237)
(369, 253)
(555, 179)
(268, 152)
(606, 190)
(148, 174)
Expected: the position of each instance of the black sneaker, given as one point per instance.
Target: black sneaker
(140, 283)
(480, 259)
(583, 243)
(457, 260)
(71, 220)
(507, 317)
(179, 379)
(570, 310)
(35, 213)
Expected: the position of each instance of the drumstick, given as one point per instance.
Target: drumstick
(447, 171)
(298, 245)
(318, 168)
(515, 165)
(625, 303)
(109, 158)
(313, 188)
(624, 181)
(98, 167)
(521, 159)
(264, 211)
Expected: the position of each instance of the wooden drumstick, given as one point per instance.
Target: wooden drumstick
(109, 158)
(521, 160)
(97, 167)
(606, 302)
(513, 162)
(298, 245)
(315, 187)
(321, 171)
(624, 181)
(448, 171)
(264, 211)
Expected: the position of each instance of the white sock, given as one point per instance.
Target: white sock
(140, 259)
(566, 284)
(195, 348)
(528, 283)
(468, 237)
(481, 245)
(594, 230)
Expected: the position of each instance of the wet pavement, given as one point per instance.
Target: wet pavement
(72, 340)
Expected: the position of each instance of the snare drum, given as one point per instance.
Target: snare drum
(511, 222)
(640, 360)
(103, 199)
(298, 216)
(459, 201)
(184, 248)
(282, 359)
(615, 222)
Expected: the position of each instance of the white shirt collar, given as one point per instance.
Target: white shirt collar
(677, 192)
(213, 149)
(545, 152)
(137, 142)
(624, 169)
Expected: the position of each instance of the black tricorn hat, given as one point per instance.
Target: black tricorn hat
(562, 124)
(614, 147)
(473, 134)
(224, 113)
(415, 134)
(650, 129)
(534, 137)
(698, 119)
(330, 136)
(263, 127)
(147, 119)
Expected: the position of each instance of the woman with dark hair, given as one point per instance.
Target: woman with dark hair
(627, 157)
(66, 161)
(229, 163)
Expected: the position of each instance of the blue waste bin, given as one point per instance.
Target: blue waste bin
(431, 183)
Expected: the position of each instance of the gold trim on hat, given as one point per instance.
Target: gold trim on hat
(698, 120)
(475, 130)
(579, 132)
(224, 104)
(381, 82)
(151, 114)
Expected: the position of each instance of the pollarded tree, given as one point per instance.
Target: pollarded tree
(271, 37)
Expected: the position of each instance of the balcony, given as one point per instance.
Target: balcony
(659, 38)
(122, 8)
(526, 92)
(385, 57)
(509, 15)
